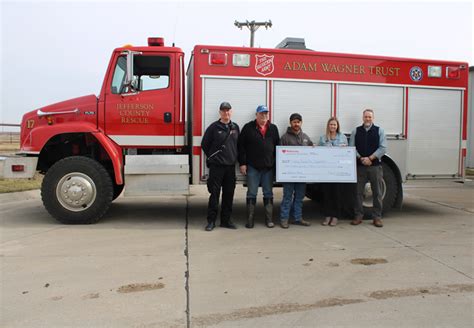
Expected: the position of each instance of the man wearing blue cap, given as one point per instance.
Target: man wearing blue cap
(257, 149)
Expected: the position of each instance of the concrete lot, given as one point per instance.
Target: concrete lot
(131, 269)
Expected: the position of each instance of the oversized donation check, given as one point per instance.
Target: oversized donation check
(315, 164)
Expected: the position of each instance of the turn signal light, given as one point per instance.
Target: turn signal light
(218, 58)
(453, 72)
(18, 168)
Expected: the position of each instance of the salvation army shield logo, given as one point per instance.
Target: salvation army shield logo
(264, 64)
(416, 74)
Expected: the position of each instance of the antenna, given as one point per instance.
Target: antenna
(253, 26)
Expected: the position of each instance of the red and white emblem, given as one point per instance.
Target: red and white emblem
(264, 64)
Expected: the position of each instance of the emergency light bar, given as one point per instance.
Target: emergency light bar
(156, 42)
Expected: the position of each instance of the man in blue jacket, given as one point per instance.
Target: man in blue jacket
(257, 151)
(371, 145)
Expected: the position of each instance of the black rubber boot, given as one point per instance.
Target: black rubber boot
(268, 203)
(250, 212)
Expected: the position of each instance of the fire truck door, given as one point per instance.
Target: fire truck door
(434, 131)
(143, 114)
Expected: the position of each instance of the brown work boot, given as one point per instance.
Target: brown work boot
(378, 222)
(357, 220)
(284, 224)
(301, 222)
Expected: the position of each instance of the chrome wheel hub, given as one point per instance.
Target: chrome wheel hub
(76, 191)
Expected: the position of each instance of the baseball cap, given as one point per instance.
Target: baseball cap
(262, 109)
(225, 105)
(295, 116)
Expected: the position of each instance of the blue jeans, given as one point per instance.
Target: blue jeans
(292, 203)
(259, 177)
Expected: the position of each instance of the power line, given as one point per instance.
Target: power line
(253, 26)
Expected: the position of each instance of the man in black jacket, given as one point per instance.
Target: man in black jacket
(220, 146)
(256, 146)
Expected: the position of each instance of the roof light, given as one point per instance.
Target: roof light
(241, 60)
(434, 71)
(218, 58)
(453, 72)
(156, 42)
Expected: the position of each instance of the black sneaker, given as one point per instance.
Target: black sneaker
(210, 226)
(228, 225)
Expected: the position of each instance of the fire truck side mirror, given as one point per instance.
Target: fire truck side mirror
(129, 72)
(128, 84)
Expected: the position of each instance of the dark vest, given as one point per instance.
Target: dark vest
(367, 142)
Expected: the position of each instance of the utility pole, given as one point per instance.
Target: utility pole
(253, 26)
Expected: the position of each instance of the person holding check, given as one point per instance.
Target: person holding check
(293, 192)
(333, 202)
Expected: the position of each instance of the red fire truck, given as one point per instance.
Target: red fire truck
(144, 130)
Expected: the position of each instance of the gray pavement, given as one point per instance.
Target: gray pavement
(132, 268)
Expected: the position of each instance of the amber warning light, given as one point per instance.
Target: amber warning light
(156, 42)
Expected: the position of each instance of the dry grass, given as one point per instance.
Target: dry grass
(13, 185)
(9, 147)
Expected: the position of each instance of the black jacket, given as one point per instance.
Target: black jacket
(254, 149)
(212, 143)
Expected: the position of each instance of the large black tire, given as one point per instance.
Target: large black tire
(77, 190)
(389, 191)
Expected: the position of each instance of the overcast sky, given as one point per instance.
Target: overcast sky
(56, 50)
